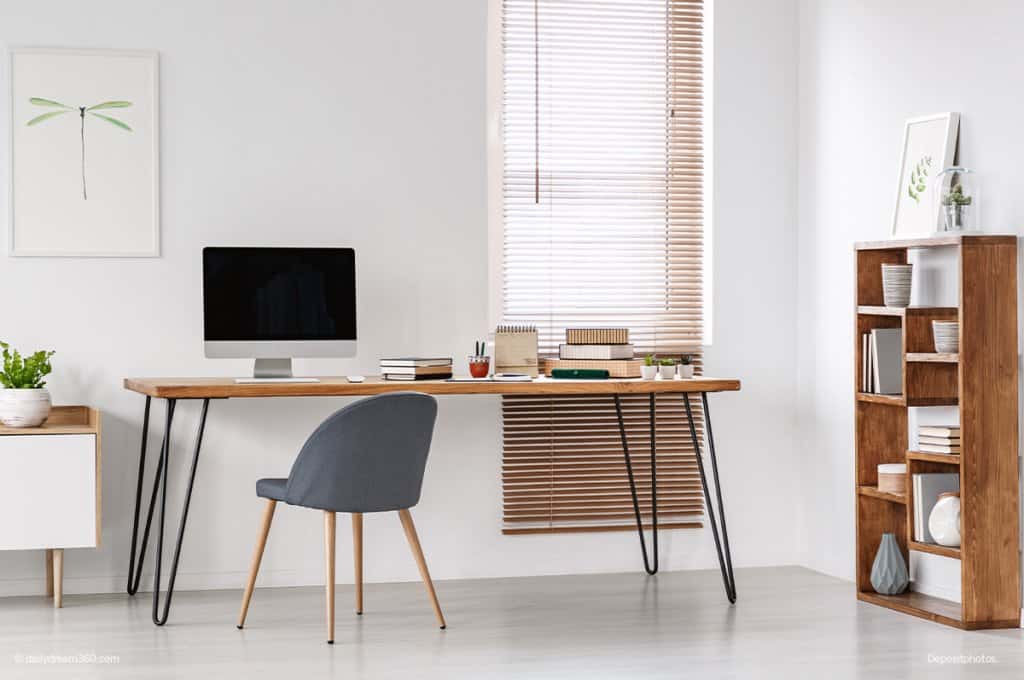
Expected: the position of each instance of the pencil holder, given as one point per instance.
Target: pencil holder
(479, 366)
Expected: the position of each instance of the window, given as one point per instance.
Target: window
(602, 225)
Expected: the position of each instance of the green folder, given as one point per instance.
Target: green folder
(580, 373)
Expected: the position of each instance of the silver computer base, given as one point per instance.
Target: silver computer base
(274, 371)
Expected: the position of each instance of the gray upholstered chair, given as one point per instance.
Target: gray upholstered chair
(367, 457)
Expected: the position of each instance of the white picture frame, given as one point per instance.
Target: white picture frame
(112, 106)
(929, 147)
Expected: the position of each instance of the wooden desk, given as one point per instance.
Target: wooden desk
(174, 389)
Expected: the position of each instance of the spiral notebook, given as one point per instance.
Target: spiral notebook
(515, 350)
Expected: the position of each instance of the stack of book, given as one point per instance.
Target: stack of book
(938, 439)
(598, 348)
(416, 368)
(881, 356)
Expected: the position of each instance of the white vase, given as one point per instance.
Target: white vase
(24, 408)
(648, 372)
(944, 521)
(667, 372)
(685, 371)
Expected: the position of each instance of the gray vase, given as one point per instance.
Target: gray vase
(889, 575)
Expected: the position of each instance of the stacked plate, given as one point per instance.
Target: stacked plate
(896, 280)
(947, 336)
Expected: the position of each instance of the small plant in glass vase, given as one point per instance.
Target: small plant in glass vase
(686, 367)
(24, 401)
(650, 368)
(956, 208)
(667, 369)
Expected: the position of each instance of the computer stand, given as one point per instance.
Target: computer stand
(274, 371)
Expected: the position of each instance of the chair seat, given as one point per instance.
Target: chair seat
(271, 487)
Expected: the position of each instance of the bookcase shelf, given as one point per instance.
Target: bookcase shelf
(982, 380)
(874, 492)
(935, 549)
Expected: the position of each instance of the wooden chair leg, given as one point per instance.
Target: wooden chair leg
(329, 526)
(58, 577)
(417, 552)
(357, 555)
(257, 557)
(49, 572)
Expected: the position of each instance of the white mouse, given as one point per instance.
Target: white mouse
(356, 378)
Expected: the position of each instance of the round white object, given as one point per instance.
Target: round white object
(686, 371)
(944, 522)
(667, 372)
(24, 408)
(649, 372)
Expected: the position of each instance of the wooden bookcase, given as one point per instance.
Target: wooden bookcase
(982, 381)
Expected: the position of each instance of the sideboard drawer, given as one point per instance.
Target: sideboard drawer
(49, 491)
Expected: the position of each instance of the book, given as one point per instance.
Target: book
(617, 368)
(597, 336)
(935, 449)
(939, 430)
(567, 351)
(887, 357)
(864, 363)
(939, 441)
(417, 370)
(406, 376)
(416, 361)
(927, 487)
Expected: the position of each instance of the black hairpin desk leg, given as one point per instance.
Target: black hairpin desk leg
(160, 485)
(724, 556)
(632, 488)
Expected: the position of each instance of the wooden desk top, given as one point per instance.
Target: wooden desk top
(220, 388)
(62, 420)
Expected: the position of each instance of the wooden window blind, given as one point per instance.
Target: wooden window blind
(602, 111)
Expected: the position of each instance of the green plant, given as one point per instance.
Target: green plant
(686, 360)
(649, 360)
(667, 362)
(917, 183)
(956, 196)
(24, 373)
(82, 110)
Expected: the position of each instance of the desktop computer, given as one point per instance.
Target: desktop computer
(273, 304)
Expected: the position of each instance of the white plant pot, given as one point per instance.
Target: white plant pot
(667, 372)
(24, 408)
(649, 372)
(685, 371)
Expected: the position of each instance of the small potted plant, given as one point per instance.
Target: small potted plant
(955, 207)
(24, 402)
(667, 369)
(650, 369)
(686, 366)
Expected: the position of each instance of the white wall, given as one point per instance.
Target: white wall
(363, 123)
(865, 67)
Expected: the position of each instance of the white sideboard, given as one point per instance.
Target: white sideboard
(53, 496)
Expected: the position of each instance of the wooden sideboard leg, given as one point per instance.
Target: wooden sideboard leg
(58, 577)
(49, 572)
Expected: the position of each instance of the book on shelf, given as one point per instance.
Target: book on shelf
(603, 352)
(927, 486)
(434, 371)
(938, 441)
(597, 336)
(936, 448)
(409, 376)
(416, 361)
(886, 352)
(939, 431)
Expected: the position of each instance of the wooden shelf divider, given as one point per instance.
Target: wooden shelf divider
(982, 380)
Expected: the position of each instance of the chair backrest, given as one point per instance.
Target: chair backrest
(367, 457)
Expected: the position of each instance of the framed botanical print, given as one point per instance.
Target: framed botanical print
(929, 147)
(84, 153)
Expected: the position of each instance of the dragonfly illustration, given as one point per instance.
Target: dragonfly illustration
(82, 110)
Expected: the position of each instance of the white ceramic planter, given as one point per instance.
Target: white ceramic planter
(685, 371)
(24, 408)
(648, 372)
(667, 372)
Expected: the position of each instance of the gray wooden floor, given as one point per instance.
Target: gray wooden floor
(789, 623)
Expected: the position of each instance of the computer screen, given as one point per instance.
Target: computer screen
(279, 294)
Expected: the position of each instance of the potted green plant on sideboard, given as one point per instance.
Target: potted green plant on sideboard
(24, 401)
